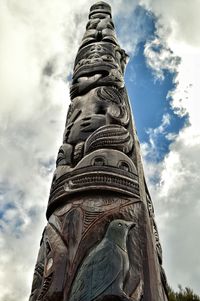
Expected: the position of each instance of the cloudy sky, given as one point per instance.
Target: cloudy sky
(39, 40)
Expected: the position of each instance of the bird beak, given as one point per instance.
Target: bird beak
(130, 225)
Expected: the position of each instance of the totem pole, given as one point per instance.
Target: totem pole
(101, 242)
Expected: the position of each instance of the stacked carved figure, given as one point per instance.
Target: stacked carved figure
(101, 241)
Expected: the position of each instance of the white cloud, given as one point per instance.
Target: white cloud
(176, 195)
(151, 148)
(177, 202)
(177, 37)
(160, 57)
(39, 41)
(33, 105)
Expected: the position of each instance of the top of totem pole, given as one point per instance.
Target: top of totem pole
(98, 144)
(100, 7)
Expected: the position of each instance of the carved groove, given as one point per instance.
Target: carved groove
(45, 286)
(111, 136)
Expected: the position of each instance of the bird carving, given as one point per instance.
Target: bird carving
(104, 269)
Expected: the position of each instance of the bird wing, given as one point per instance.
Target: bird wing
(98, 271)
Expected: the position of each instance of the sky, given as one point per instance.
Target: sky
(39, 41)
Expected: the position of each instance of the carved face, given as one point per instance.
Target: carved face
(117, 231)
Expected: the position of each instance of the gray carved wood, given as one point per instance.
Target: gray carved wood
(101, 241)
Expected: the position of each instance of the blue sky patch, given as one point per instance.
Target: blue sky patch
(148, 96)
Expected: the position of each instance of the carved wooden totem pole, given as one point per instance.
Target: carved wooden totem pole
(101, 241)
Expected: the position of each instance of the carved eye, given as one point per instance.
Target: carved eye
(119, 224)
(61, 152)
(123, 165)
(99, 161)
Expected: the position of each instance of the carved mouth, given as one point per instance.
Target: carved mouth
(101, 179)
(96, 180)
(94, 68)
(87, 73)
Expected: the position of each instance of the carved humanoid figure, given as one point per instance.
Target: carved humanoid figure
(101, 241)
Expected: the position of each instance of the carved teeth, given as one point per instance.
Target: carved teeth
(86, 78)
(103, 179)
(82, 79)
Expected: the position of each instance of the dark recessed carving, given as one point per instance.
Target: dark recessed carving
(64, 155)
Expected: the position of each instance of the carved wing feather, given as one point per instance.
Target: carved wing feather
(98, 271)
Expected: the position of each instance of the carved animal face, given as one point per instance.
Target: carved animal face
(117, 232)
